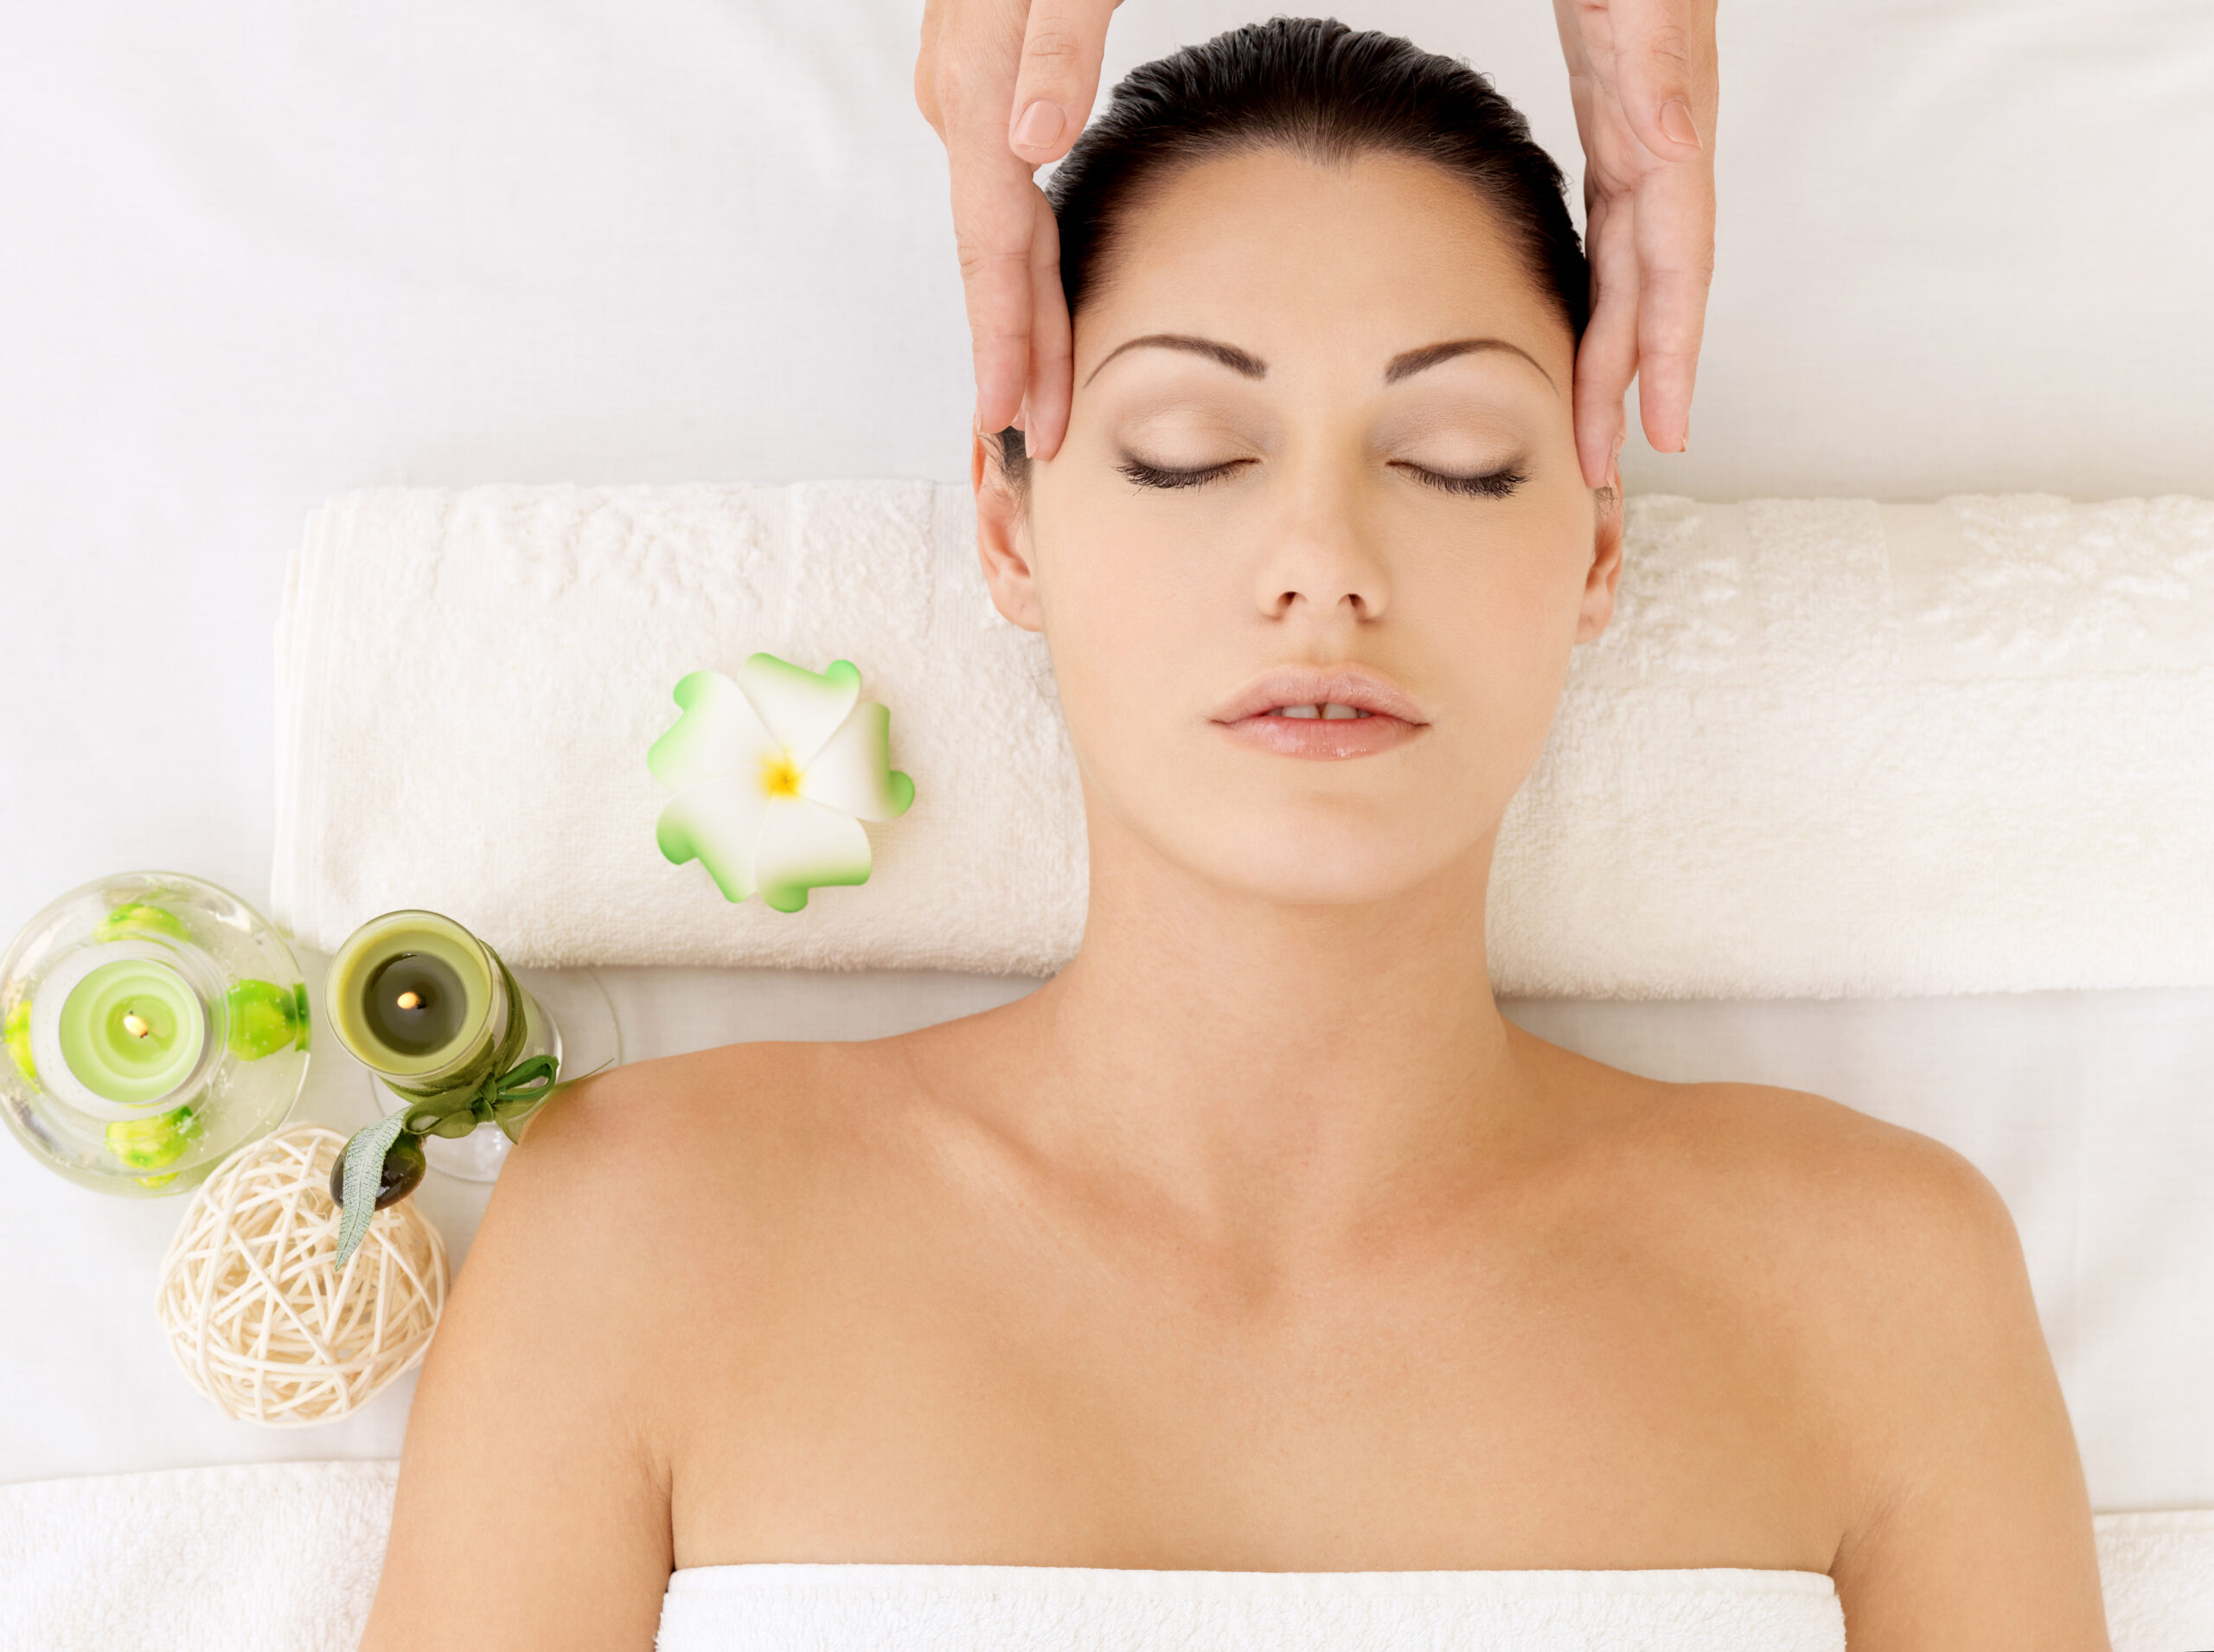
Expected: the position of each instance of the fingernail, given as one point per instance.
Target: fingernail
(1040, 124)
(1675, 120)
(1686, 447)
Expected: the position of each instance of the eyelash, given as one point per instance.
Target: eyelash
(1152, 475)
(1497, 485)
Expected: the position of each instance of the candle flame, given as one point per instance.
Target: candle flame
(410, 1001)
(136, 1027)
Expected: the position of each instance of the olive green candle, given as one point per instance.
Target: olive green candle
(417, 999)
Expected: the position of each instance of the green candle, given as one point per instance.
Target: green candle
(153, 1023)
(415, 997)
(131, 1030)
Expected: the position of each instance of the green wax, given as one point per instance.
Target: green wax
(411, 994)
(133, 1030)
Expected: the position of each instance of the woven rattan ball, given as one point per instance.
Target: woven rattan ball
(257, 1316)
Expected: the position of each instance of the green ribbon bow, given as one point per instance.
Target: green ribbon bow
(504, 1099)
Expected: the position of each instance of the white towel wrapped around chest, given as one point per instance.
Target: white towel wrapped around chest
(864, 1608)
(1826, 747)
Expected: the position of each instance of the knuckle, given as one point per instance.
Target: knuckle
(1669, 45)
(1051, 48)
(978, 260)
(962, 85)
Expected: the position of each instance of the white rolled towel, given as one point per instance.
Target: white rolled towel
(1826, 747)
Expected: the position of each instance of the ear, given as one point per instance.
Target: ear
(1606, 559)
(1003, 540)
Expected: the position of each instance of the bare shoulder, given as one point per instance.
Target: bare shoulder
(1862, 1191)
(1968, 1522)
(644, 1122)
(541, 1412)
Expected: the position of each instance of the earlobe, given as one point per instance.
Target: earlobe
(1003, 541)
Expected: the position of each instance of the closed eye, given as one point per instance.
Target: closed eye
(1493, 484)
(1155, 476)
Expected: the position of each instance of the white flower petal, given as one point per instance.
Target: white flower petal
(801, 708)
(804, 845)
(718, 819)
(853, 771)
(718, 733)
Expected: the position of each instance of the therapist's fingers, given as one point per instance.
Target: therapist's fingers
(1664, 71)
(1607, 358)
(1643, 79)
(1674, 231)
(1062, 46)
(964, 81)
(1052, 365)
(993, 227)
(1667, 87)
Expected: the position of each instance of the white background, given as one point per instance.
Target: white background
(252, 254)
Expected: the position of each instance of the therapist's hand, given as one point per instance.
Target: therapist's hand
(1642, 74)
(1008, 85)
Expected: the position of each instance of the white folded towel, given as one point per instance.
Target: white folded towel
(284, 1557)
(248, 1557)
(1826, 748)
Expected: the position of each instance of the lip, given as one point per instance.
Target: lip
(1394, 718)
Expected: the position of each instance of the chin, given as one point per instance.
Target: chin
(1315, 863)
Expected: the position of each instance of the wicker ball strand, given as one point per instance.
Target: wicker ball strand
(257, 1317)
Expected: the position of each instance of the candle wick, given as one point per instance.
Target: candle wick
(135, 1027)
(410, 1001)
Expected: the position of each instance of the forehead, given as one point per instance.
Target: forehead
(1293, 258)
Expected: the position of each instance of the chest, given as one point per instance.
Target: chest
(1595, 1399)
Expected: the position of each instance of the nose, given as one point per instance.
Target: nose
(1323, 563)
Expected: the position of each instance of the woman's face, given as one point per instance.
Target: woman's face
(1321, 449)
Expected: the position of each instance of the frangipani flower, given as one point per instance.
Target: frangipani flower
(774, 774)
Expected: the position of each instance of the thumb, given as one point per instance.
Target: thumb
(1058, 77)
(1664, 71)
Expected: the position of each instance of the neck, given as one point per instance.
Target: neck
(1266, 1064)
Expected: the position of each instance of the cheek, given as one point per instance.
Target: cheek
(1495, 618)
(1137, 623)
(1125, 614)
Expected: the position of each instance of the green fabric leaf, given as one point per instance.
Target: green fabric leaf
(364, 1174)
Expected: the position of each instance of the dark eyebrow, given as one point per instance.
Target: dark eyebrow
(1431, 355)
(1229, 354)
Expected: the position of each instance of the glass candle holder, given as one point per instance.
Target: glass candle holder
(433, 1012)
(154, 1021)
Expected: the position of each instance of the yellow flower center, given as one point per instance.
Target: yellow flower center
(780, 775)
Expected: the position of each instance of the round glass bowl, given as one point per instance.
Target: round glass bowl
(153, 1022)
